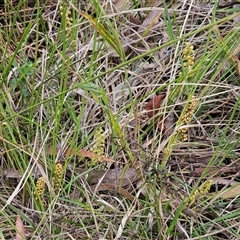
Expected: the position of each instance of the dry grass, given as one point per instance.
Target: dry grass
(66, 80)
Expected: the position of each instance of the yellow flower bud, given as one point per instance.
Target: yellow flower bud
(98, 147)
(40, 188)
(58, 176)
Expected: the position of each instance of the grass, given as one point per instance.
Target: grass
(63, 79)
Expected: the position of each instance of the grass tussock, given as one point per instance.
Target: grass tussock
(119, 120)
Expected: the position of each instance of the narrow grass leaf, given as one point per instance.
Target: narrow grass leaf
(110, 39)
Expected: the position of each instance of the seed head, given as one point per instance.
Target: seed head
(58, 176)
(40, 188)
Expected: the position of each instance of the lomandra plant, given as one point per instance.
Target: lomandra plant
(181, 128)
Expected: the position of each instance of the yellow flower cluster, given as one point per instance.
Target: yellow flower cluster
(186, 118)
(200, 192)
(68, 18)
(122, 138)
(188, 57)
(40, 188)
(188, 62)
(98, 147)
(166, 151)
(58, 176)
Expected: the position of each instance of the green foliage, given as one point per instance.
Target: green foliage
(23, 73)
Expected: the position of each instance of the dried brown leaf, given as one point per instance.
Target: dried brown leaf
(20, 235)
(148, 23)
(121, 4)
(154, 104)
(234, 57)
(231, 192)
